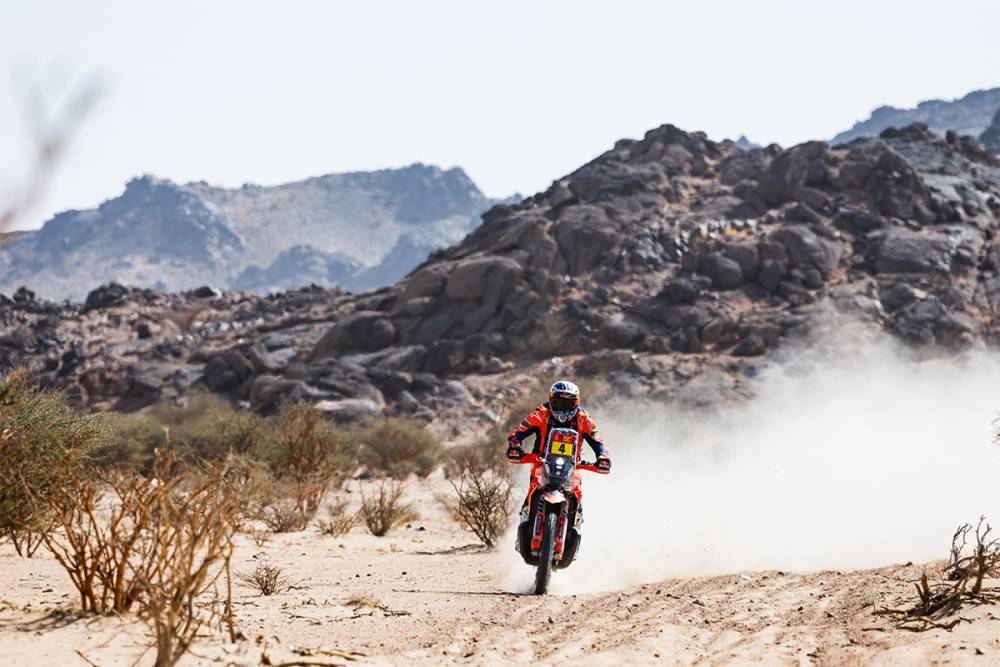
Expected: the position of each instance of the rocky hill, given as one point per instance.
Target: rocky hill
(990, 138)
(672, 266)
(970, 115)
(357, 230)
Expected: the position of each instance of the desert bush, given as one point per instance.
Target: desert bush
(309, 455)
(153, 544)
(40, 434)
(188, 548)
(338, 520)
(265, 579)
(398, 447)
(282, 515)
(481, 501)
(202, 426)
(386, 510)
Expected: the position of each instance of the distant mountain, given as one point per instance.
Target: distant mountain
(359, 230)
(967, 115)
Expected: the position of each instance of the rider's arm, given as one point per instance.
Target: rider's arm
(530, 426)
(592, 437)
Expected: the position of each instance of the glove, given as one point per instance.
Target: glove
(603, 464)
(514, 453)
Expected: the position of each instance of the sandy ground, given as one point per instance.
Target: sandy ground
(442, 600)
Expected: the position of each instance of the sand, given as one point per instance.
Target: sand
(430, 596)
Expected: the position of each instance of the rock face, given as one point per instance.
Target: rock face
(662, 261)
(990, 138)
(356, 230)
(967, 115)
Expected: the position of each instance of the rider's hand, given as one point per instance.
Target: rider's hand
(514, 453)
(603, 464)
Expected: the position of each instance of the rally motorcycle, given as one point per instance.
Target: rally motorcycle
(552, 518)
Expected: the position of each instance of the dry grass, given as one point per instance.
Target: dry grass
(265, 579)
(386, 510)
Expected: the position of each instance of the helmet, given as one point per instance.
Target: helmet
(564, 400)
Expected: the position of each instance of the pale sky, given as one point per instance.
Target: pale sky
(516, 92)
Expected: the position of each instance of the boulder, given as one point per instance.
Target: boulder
(724, 273)
(745, 254)
(584, 235)
(680, 290)
(365, 331)
(806, 248)
(752, 345)
(930, 322)
(905, 251)
(788, 172)
(480, 277)
(105, 296)
(621, 332)
(226, 371)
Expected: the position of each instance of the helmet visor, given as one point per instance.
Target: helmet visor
(564, 403)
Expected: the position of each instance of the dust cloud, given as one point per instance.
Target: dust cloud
(852, 453)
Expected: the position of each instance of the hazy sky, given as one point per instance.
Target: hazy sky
(516, 92)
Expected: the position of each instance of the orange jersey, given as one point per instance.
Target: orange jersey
(538, 423)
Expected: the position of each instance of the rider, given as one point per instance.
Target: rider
(561, 411)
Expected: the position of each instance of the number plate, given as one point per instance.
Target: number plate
(563, 444)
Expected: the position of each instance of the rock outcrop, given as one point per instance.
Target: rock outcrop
(660, 260)
(990, 138)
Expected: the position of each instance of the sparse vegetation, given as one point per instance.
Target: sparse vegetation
(398, 447)
(386, 510)
(338, 520)
(963, 583)
(265, 579)
(481, 501)
(40, 435)
(282, 515)
(155, 544)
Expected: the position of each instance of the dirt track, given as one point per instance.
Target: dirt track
(443, 602)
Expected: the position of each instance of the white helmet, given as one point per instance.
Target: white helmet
(564, 400)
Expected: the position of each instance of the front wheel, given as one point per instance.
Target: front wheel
(545, 553)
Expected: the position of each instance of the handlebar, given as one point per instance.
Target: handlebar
(582, 465)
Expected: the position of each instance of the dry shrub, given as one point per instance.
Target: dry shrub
(310, 456)
(398, 447)
(386, 510)
(481, 501)
(40, 434)
(338, 520)
(154, 544)
(963, 583)
(189, 548)
(282, 515)
(265, 579)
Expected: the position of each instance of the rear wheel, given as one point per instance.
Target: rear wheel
(545, 553)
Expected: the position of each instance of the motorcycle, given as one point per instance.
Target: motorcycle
(552, 538)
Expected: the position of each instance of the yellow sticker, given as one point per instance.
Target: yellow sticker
(562, 445)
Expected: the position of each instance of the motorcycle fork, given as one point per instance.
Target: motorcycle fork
(536, 533)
